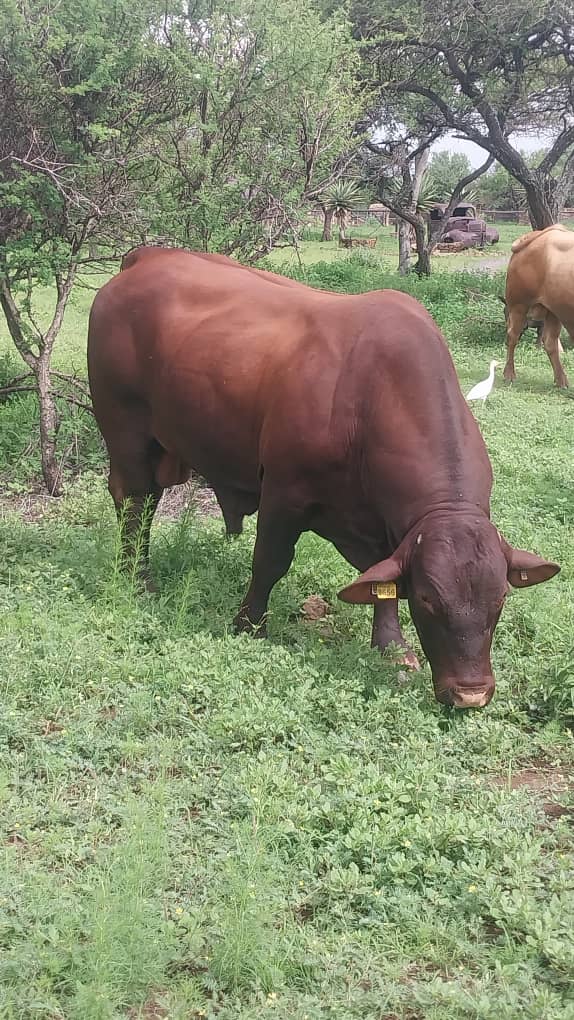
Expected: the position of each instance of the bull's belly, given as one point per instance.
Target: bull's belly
(221, 446)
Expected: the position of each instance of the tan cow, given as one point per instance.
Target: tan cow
(540, 286)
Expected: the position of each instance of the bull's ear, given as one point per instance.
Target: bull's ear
(379, 582)
(526, 568)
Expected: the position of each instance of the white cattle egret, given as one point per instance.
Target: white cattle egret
(482, 389)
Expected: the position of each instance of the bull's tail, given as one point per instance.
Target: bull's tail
(526, 239)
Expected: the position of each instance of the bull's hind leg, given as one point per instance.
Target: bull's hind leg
(136, 494)
(514, 326)
(551, 341)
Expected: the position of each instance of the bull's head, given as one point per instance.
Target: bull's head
(455, 573)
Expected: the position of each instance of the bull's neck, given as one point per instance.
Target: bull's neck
(439, 511)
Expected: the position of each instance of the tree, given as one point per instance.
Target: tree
(499, 190)
(208, 126)
(486, 71)
(82, 88)
(398, 168)
(275, 111)
(445, 170)
(341, 199)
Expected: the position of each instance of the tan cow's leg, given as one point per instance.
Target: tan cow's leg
(514, 327)
(551, 340)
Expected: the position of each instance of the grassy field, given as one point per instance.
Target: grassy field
(314, 250)
(195, 825)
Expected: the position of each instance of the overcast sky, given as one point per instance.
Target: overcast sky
(476, 155)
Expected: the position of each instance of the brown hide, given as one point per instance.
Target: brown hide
(540, 287)
(331, 413)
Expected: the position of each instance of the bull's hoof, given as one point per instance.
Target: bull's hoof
(243, 624)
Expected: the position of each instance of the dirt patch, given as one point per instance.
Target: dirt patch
(314, 608)
(151, 1010)
(30, 506)
(195, 495)
(549, 782)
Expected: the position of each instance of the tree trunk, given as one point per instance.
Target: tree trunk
(49, 425)
(423, 264)
(342, 221)
(404, 247)
(541, 205)
(327, 224)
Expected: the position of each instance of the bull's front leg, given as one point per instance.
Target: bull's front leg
(278, 530)
(387, 631)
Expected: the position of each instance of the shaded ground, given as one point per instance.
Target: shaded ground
(32, 506)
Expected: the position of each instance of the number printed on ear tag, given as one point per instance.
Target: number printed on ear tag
(384, 591)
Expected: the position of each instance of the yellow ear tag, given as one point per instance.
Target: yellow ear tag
(523, 575)
(384, 591)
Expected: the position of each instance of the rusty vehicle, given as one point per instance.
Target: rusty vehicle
(464, 228)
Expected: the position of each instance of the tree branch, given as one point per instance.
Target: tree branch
(563, 142)
(15, 324)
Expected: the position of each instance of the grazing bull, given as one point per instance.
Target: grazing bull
(331, 413)
(540, 286)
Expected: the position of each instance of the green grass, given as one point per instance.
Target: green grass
(197, 825)
(313, 250)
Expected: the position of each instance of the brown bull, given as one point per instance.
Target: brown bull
(540, 287)
(336, 414)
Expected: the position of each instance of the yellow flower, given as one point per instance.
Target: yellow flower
(472, 888)
(272, 995)
(178, 911)
(407, 842)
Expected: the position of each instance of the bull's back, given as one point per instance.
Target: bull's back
(541, 272)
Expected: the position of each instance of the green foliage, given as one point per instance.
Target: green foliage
(498, 190)
(343, 197)
(274, 106)
(445, 170)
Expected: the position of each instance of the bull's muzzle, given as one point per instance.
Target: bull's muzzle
(459, 695)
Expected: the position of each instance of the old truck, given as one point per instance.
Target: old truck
(464, 228)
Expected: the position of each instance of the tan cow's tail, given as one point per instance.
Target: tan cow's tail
(526, 239)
